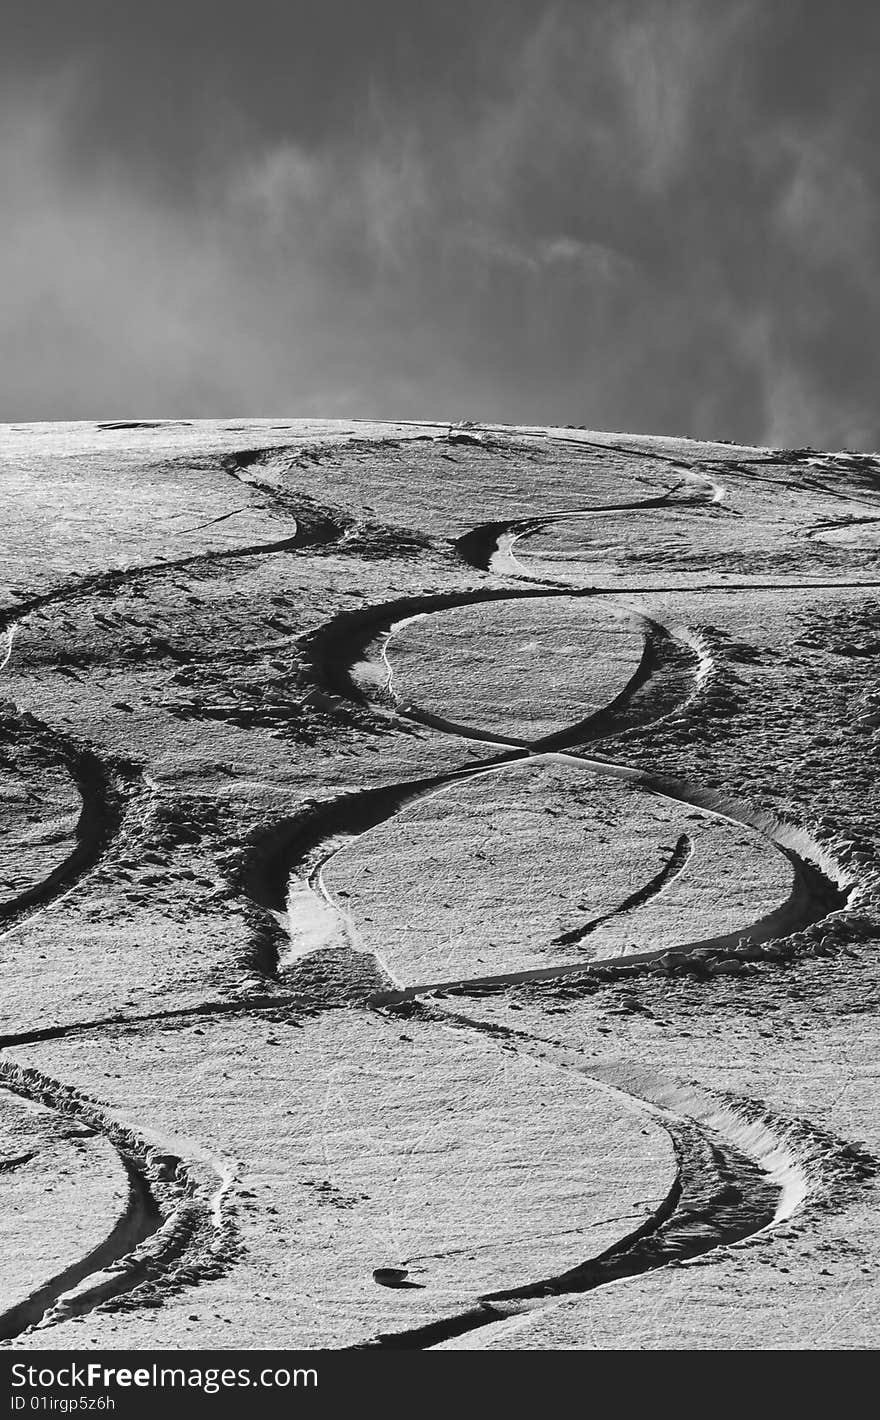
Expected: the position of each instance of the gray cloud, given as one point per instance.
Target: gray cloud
(630, 215)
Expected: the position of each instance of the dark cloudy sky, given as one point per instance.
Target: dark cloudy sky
(642, 215)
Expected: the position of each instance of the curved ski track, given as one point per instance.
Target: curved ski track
(174, 1231)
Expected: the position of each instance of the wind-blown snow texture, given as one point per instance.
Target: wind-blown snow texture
(439, 878)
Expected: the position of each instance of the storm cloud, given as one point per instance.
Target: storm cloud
(636, 216)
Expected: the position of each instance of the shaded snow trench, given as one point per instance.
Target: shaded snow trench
(173, 1230)
(672, 869)
(736, 1175)
(110, 794)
